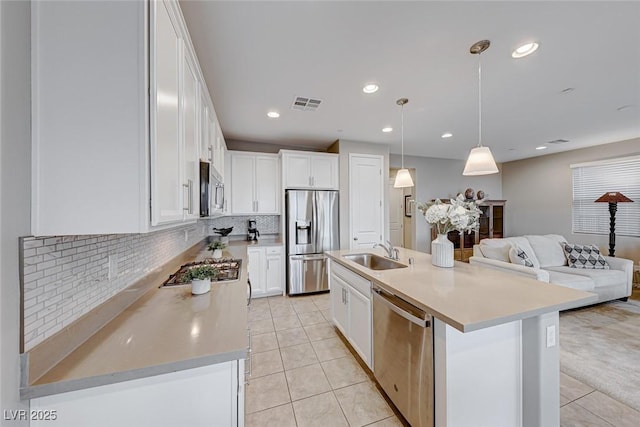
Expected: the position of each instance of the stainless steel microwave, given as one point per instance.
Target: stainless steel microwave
(211, 191)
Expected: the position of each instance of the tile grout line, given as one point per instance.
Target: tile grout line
(594, 414)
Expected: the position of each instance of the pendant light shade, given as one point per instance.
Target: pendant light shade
(403, 177)
(480, 160)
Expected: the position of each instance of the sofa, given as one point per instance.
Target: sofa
(545, 258)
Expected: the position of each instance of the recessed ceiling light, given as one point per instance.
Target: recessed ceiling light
(542, 147)
(273, 114)
(370, 88)
(446, 135)
(524, 50)
(387, 129)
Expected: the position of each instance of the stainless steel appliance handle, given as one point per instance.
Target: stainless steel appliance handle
(387, 299)
(307, 257)
(250, 291)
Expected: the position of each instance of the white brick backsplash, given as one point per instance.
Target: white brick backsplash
(65, 277)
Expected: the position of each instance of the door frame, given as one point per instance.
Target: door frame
(382, 199)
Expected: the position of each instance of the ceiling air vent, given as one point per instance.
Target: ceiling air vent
(558, 141)
(305, 104)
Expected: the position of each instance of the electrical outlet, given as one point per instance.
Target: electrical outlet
(113, 267)
(551, 336)
(186, 235)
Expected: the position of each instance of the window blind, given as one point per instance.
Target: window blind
(592, 180)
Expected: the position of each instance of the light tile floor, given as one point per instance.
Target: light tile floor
(304, 375)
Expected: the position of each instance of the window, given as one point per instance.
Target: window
(591, 180)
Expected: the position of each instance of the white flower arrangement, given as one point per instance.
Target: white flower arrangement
(459, 214)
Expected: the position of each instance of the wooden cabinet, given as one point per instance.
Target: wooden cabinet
(117, 122)
(491, 225)
(255, 185)
(266, 270)
(351, 309)
(301, 169)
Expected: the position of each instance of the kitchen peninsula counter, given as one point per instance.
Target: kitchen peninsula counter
(466, 297)
(166, 330)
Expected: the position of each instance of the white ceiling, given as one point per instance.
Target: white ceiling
(256, 56)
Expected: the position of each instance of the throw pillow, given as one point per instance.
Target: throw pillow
(517, 255)
(585, 256)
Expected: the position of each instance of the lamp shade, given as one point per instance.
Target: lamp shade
(480, 162)
(613, 197)
(403, 179)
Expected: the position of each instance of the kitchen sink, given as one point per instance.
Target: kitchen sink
(374, 262)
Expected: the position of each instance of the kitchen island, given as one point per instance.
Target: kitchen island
(161, 348)
(495, 344)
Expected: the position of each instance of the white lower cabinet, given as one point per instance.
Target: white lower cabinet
(351, 309)
(266, 270)
(208, 396)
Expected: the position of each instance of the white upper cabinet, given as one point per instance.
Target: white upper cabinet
(255, 184)
(301, 169)
(117, 123)
(165, 152)
(191, 138)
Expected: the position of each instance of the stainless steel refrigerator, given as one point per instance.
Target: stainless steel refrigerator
(311, 229)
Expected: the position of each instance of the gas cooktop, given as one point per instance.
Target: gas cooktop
(228, 271)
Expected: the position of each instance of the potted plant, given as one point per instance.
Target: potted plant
(217, 247)
(201, 278)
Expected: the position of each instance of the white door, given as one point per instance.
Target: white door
(366, 194)
(242, 183)
(396, 215)
(191, 132)
(267, 188)
(165, 148)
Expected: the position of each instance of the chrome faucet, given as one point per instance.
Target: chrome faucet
(392, 253)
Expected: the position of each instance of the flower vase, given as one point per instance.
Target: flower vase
(442, 251)
(217, 253)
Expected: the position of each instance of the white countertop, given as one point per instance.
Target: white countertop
(467, 297)
(166, 330)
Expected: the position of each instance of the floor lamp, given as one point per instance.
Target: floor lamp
(613, 199)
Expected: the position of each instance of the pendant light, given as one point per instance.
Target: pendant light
(480, 160)
(403, 177)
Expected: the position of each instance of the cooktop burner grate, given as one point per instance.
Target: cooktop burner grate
(228, 270)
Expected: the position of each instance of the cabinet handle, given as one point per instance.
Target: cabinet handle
(355, 238)
(257, 209)
(313, 181)
(188, 186)
(310, 185)
(210, 148)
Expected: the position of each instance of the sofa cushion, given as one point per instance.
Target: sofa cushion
(584, 256)
(519, 256)
(573, 281)
(498, 249)
(600, 278)
(548, 249)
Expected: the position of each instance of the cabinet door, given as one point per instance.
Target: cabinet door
(296, 170)
(360, 324)
(324, 172)
(221, 150)
(191, 132)
(242, 183)
(266, 182)
(339, 304)
(166, 173)
(255, 268)
(274, 273)
(206, 143)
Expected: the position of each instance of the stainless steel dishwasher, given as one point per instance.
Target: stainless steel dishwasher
(403, 356)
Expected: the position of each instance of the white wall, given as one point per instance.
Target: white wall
(344, 148)
(15, 188)
(442, 178)
(539, 193)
